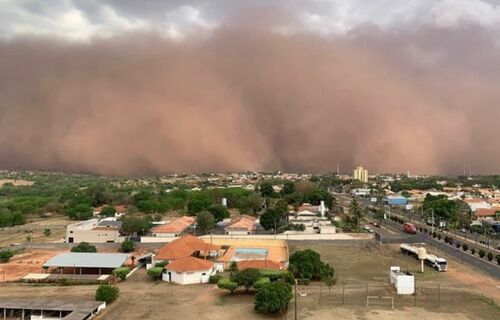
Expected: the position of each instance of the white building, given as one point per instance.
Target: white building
(402, 280)
(94, 231)
(189, 270)
(360, 174)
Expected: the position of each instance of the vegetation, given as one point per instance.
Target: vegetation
(482, 253)
(121, 272)
(205, 221)
(246, 278)
(108, 211)
(47, 232)
(84, 247)
(227, 284)
(273, 297)
(307, 264)
(107, 293)
(215, 278)
(127, 246)
(5, 256)
(155, 272)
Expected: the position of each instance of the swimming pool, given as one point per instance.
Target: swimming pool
(249, 254)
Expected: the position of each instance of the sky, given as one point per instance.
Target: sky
(124, 87)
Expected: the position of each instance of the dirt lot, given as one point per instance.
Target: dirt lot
(356, 265)
(24, 263)
(35, 228)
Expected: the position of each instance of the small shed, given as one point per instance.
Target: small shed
(404, 281)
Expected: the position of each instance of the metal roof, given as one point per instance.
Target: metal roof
(88, 260)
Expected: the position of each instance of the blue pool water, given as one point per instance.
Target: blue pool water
(256, 251)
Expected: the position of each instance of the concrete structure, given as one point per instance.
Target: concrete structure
(94, 231)
(396, 200)
(360, 174)
(86, 262)
(403, 281)
(242, 225)
(49, 309)
(313, 218)
(189, 270)
(174, 228)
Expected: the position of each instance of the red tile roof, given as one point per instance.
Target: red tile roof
(486, 212)
(184, 247)
(259, 264)
(175, 226)
(243, 222)
(189, 264)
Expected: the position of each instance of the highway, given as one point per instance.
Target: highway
(392, 233)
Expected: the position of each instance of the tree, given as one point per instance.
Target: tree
(482, 253)
(121, 272)
(219, 212)
(261, 282)
(273, 297)
(273, 219)
(307, 264)
(197, 203)
(356, 214)
(489, 256)
(84, 247)
(246, 277)
(5, 256)
(249, 204)
(127, 246)
(134, 225)
(266, 189)
(80, 211)
(288, 188)
(233, 267)
(155, 272)
(204, 221)
(47, 232)
(107, 293)
(227, 284)
(108, 211)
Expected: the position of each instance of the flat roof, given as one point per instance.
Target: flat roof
(88, 260)
(79, 309)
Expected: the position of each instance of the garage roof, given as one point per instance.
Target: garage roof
(88, 260)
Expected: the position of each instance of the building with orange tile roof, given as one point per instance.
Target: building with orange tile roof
(174, 228)
(184, 247)
(189, 270)
(242, 225)
(485, 213)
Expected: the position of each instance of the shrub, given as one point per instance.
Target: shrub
(215, 278)
(489, 256)
(482, 253)
(155, 272)
(227, 284)
(247, 277)
(84, 247)
(473, 251)
(233, 267)
(450, 240)
(296, 227)
(434, 234)
(273, 297)
(107, 293)
(446, 239)
(497, 257)
(458, 244)
(5, 256)
(121, 272)
(47, 232)
(439, 236)
(127, 246)
(261, 282)
(465, 247)
(161, 264)
(304, 282)
(275, 275)
(307, 264)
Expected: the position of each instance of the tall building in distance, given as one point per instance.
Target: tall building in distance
(360, 174)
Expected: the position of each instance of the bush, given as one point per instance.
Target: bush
(439, 236)
(446, 239)
(107, 293)
(458, 245)
(5, 256)
(215, 278)
(434, 234)
(273, 297)
(489, 256)
(482, 253)
(121, 272)
(307, 264)
(155, 272)
(465, 247)
(473, 251)
(261, 282)
(296, 227)
(450, 241)
(246, 277)
(497, 257)
(127, 246)
(227, 284)
(47, 232)
(304, 282)
(84, 247)
(275, 275)
(161, 264)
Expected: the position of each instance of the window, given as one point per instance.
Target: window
(204, 274)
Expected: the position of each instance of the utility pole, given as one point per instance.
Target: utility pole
(432, 212)
(296, 285)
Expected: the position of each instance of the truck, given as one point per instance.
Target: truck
(409, 228)
(440, 264)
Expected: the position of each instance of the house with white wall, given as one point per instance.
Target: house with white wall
(189, 270)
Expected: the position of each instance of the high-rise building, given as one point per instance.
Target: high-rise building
(360, 174)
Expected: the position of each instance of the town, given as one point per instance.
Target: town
(289, 244)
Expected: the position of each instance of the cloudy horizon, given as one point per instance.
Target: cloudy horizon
(153, 87)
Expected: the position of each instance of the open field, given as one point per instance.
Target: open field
(356, 265)
(24, 263)
(16, 182)
(35, 228)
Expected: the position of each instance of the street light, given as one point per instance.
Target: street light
(297, 293)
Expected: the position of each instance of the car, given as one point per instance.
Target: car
(462, 230)
(376, 225)
(15, 244)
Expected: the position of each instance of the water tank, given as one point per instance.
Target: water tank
(422, 253)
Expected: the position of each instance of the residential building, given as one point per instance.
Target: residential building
(189, 270)
(360, 174)
(94, 231)
(174, 228)
(242, 225)
(184, 247)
